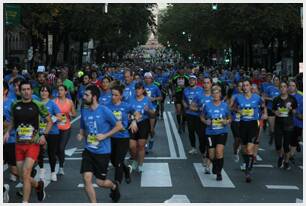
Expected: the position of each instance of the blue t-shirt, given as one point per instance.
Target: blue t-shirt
(216, 114)
(189, 95)
(264, 86)
(81, 91)
(272, 92)
(121, 113)
(138, 106)
(299, 99)
(129, 91)
(201, 100)
(235, 115)
(98, 121)
(53, 110)
(152, 91)
(7, 115)
(105, 97)
(250, 108)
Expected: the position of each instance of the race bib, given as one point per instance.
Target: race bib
(237, 117)
(217, 123)
(247, 113)
(181, 82)
(42, 127)
(25, 133)
(118, 115)
(92, 141)
(149, 93)
(283, 111)
(63, 119)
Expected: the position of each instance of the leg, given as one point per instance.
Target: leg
(90, 191)
(65, 136)
(141, 151)
(52, 141)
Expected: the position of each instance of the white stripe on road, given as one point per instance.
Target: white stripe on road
(261, 149)
(75, 119)
(156, 175)
(265, 166)
(282, 187)
(210, 180)
(177, 138)
(178, 199)
(69, 152)
(297, 200)
(258, 158)
(169, 136)
(82, 185)
(147, 158)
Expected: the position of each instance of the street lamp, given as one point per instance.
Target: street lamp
(183, 33)
(214, 7)
(106, 8)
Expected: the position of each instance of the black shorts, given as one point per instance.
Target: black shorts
(95, 163)
(213, 140)
(9, 156)
(270, 113)
(144, 129)
(235, 129)
(248, 131)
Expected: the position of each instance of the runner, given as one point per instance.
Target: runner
(67, 110)
(193, 117)
(53, 137)
(25, 120)
(178, 83)
(284, 106)
(154, 95)
(106, 93)
(129, 89)
(216, 115)
(120, 140)
(144, 106)
(98, 124)
(248, 104)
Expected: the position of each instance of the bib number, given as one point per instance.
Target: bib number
(25, 133)
(283, 111)
(42, 127)
(118, 115)
(217, 123)
(92, 141)
(63, 119)
(247, 113)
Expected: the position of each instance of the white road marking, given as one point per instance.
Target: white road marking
(258, 158)
(69, 152)
(75, 119)
(177, 138)
(297, 200)
(169, 136)
(178, 199)
(265, 166)
(282, 187)
(261, 149)
(156, 175)
(147, 158)
(82, 185)
(210, 180)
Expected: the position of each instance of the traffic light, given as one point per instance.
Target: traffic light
(214, 7)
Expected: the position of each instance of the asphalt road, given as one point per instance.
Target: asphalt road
(173, 175)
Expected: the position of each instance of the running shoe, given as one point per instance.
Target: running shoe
(207, 170)
(40, 191)
(280, 162)
(151, 143)
(128, 174)
(53, 177)
(19, 193)
(33, 172)
(61, 171)
(42, 173)
(6, 189)
(243, 166)
(146, 149)
(115, 194)
(248, 178)
(287, 166)
(219, 177)
(134, 164)
(193, 151)
(140, 169)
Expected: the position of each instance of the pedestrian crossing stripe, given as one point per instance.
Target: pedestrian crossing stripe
(156, 175)
(258, 158)
(209, 180)
(82, 185)
(282, 187)
(264, 166)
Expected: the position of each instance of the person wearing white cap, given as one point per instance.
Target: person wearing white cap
(154, 94)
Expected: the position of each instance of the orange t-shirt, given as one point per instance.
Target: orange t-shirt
(65, 109)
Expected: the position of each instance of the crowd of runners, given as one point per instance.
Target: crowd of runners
(119, 105)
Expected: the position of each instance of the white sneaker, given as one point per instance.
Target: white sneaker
(6, 197)
(61, 171)
(140, 169)
(42, 173)
(13, 177)
(236, 158)
(207, 170)
(53, 177)
(243, 166)
(193, 151)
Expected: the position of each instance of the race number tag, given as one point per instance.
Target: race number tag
(149, 93)
(118, 115)
(42, 127)
(63, 119)
(92, 141)
(25, 133)
(283, 111)
(247, 113)
(238, 117)
(217, 123)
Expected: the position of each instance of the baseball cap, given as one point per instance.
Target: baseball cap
(41, 68)
(192, 76)
(148, 74)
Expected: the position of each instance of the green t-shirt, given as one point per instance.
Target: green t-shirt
(69, 85)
